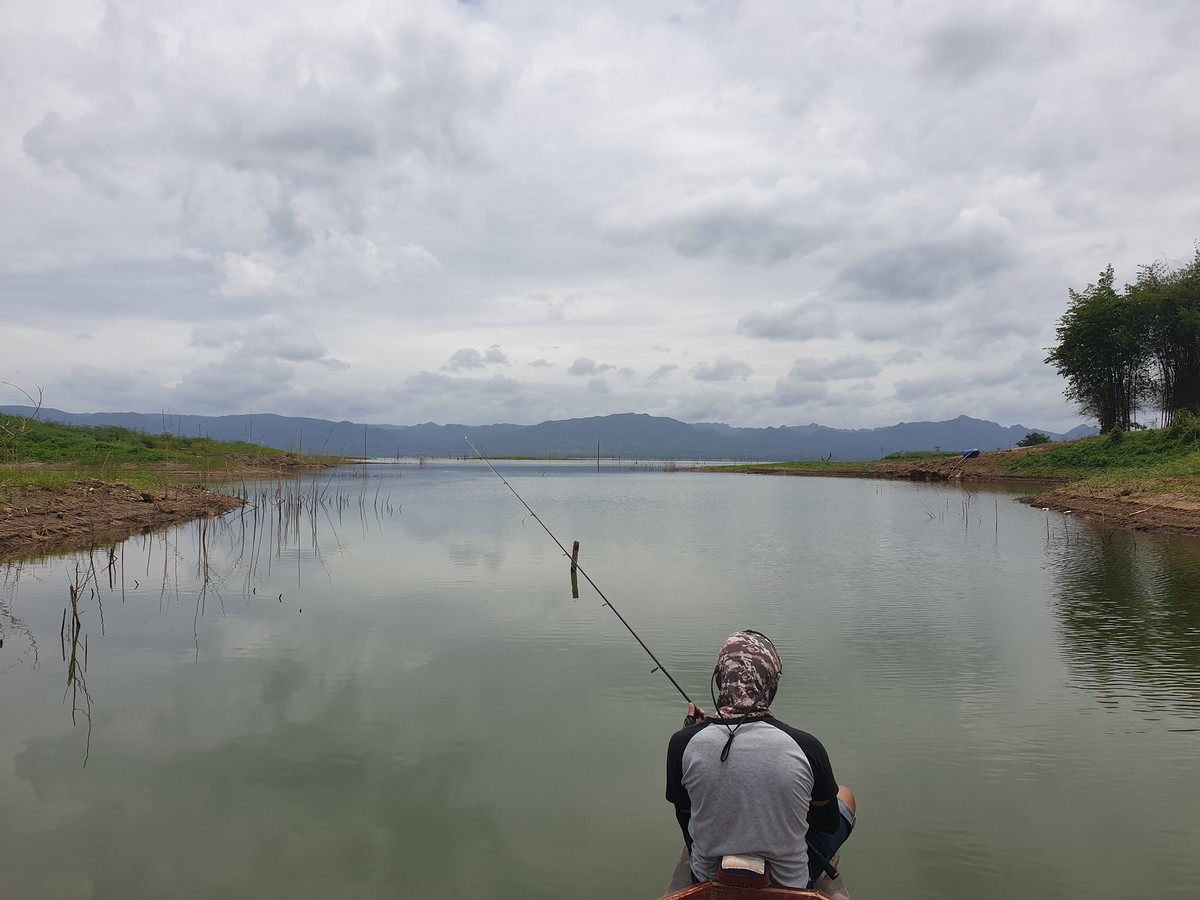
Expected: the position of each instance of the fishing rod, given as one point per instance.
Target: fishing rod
(658, 667)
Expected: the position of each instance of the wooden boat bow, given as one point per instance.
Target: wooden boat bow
(681, 888)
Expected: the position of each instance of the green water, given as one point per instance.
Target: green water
(389, 692)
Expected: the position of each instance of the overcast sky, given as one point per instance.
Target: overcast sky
(760, 213)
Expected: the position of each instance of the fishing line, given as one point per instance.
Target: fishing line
(658, 667)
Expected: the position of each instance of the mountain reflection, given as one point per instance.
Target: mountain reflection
(1129, 613)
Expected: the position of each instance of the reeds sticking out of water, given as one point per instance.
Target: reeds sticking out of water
(72, 626)
(275, 520)
(287, 514)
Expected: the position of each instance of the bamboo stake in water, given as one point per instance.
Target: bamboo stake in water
(574, 567)
(658, 667)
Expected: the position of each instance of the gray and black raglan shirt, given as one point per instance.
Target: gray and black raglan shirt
(757, 801)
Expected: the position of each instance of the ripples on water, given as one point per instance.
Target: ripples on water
(378, 683)
(1129, 615)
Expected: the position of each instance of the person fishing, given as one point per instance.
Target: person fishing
(743, 782)
(774, 796)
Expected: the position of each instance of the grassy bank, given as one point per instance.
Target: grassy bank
(1167, 454)
(53, 456)
(66, 486)
(1144, 479)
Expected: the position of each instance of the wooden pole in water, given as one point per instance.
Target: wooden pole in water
(574, 575)
(658, 667)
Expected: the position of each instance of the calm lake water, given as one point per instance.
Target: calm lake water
(391, 692)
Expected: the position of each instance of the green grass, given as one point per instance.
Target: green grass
(1157, 461)
(63, 478)
(835, 465)
(28, 446)
(28, 440)
(1166, 452)
(801, 465)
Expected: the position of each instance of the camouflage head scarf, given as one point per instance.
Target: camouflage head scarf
(747, 675)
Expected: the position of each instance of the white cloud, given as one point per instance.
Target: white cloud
(584, 366)
(279, 206)
(799, 321)
(799, 393)
(723, 369)
(470, 358)
(839, 369)
(745, 221)
(464, 358)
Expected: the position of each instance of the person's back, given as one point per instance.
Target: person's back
(745, 783)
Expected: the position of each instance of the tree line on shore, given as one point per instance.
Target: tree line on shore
(1133, 349)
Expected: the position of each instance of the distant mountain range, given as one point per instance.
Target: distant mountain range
(627, 435)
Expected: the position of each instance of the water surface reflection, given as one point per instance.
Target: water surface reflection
(1129, 614)
(378, 682)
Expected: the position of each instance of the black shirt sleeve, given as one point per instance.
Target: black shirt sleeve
(676, 793)
(827, 817)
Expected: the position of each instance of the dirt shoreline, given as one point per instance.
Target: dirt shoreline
(1143, 506)
(1164, 513)
(36, 522)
